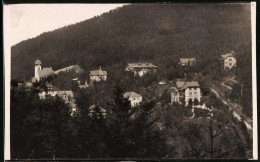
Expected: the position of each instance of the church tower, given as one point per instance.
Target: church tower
(37, 68)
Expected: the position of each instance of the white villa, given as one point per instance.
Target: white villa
(187, 61)
(51, 91)
(228, 60)
(140, 69)
(134, 98)
(185, 90)
(98, 75)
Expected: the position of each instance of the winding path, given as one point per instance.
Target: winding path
(235, 114)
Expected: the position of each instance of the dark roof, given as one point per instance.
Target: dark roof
(37, 62)
(98, 72)
(231, 54)
(131, 94)
(46, 72)
(67, 93)
(181, 85)
(141, 65)
(51, 87)
(91, 109)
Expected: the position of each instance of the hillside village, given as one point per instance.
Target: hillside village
(186, 92)
(134, 83)
(183, 92)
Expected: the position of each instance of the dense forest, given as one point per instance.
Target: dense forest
(45, 129)
(156, 33)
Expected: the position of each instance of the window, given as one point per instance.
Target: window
(230, 64)
(230, 59)
(190, 93)
(195, 92)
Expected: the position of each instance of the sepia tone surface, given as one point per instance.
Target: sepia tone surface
(178, 77)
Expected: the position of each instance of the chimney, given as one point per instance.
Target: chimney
(99, 67)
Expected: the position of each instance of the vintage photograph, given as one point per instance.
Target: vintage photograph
(129, 81)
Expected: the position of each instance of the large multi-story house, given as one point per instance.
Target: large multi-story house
(134, 98)
(68, 98)
(140, 69)
(40, 73)
(228, 60)
(185, 92)
(98, 75)
(187, 61)
(49, 91)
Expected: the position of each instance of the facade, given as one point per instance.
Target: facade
(68, 98)
(101, 110)
(40, 73)
(140, 69)
(98, 75)
(187, 61)
(134, 98)
(84, 85)
(185, 91)
(228, 60)
(51, 91)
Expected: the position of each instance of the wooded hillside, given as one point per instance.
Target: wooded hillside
(158, 33)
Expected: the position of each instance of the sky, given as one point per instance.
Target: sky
(23, 21)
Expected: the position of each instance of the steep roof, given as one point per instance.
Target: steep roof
(98, 72)
(181, 85)
(46, 72)
(67, 93)
(131, 95)
(141, 65)
(37, 62)
(91, 108)
(187, 60)
(231, 54)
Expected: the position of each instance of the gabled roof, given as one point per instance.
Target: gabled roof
(187, 60)
(141, 65)
(131, 95)
(67, 93)
(91, 109)
(98, 72)
(181, 85)
(231, 54)
(46, 72)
